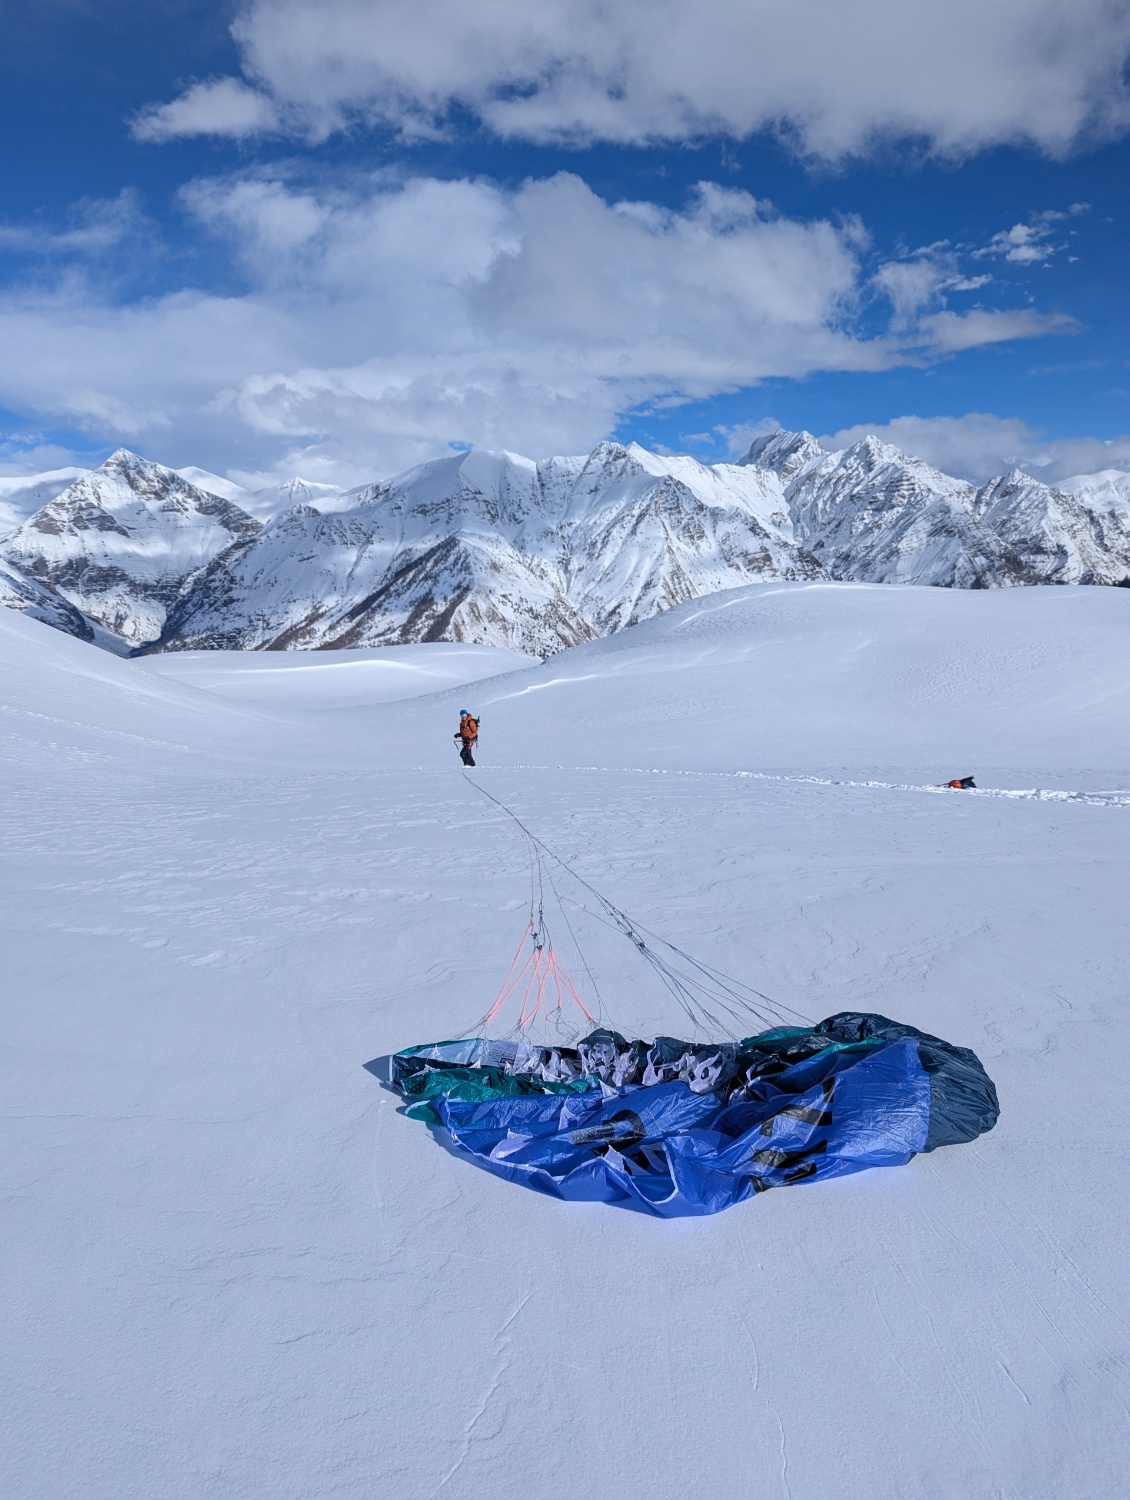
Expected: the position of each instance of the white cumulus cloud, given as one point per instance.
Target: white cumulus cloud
(959, 75)
(222, 106)
(379, 324)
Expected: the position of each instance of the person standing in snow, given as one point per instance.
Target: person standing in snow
(468, 732)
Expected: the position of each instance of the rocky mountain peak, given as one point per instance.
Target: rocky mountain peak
(609, 451)
(125, 459)
(120, 542)
(872, 454)
(786, 453)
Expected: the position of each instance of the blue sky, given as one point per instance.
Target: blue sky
(334, 237)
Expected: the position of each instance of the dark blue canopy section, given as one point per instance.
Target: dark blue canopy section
(674, 1128)
(963, 1098)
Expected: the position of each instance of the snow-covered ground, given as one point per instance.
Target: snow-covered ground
(231, 1269)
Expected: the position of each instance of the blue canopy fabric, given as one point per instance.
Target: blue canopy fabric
(673, 1128)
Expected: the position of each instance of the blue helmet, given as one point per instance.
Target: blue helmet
(465, 713)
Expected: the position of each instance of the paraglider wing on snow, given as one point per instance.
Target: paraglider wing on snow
(675, 1128)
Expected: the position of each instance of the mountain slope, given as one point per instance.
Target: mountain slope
(872, 514)
(41, 603)
(1058, 536)
(1109, 489)
(121, 542)
(21, 495)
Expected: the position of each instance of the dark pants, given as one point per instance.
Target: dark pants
(465, 754)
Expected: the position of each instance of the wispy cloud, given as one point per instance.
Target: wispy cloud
(920, 280)
(96, 225)
(950, 332)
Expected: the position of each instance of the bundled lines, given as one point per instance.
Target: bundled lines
(547, 982)
(547, 985)
(508, 984)
(547, 970)
(705, 994)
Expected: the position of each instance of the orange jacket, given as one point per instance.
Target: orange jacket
(468, 727)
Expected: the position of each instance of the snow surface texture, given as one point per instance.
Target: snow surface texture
(231, 1269)
(334, 679)
(497, 550)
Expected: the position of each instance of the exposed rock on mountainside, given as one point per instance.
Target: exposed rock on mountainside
(121, 543)
(496, 549)
(872, 514)
(38, 601)
(1061, 539)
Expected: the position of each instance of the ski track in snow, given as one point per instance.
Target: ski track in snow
(1027, 794)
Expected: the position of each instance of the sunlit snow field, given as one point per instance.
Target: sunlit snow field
(232, 1269)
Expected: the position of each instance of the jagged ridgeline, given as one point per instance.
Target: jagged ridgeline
(496, 549)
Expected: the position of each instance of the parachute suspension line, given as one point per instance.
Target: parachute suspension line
(702, 997)
(716, 990)
(580, 952)
(547, 983)
(692, 996)
(509, 983)
(725, 986)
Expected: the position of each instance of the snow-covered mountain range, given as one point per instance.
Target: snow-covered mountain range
(496, 549)
(872, 514)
